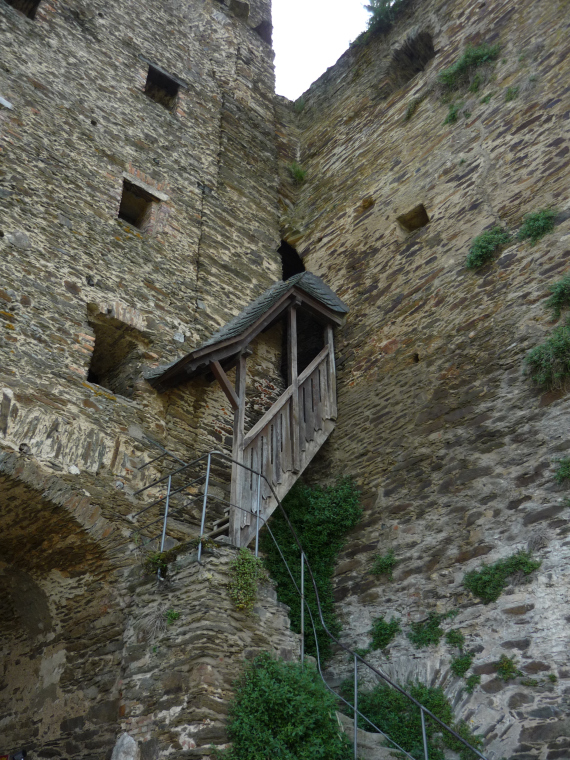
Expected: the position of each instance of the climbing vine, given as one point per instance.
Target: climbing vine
(321, 517)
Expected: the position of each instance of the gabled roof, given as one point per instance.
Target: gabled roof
(224, 345)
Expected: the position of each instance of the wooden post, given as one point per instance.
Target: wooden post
(294, 381)
(331, 372)
(236, 495)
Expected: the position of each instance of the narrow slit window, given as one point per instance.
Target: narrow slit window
(27, 7)
(161, 88)
(137, 206)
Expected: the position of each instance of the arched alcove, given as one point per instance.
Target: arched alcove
(409, 59)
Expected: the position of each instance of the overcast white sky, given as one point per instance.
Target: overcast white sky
(309, 36)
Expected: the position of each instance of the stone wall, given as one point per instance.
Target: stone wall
(176, 681)
(453, 447)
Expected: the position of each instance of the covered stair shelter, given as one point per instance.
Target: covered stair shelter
(287, 437)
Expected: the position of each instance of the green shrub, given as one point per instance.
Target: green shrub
(537, 225)
(283, 710)
(563, 472)
(487, 98)
(458, 75)
(321, 517)
(478, 80)
(560, 298)
(384, 564)
(471, 682)
(552, 677)
(489, 582)
(297, 172)
(246, 571)
(460, 665)
(507, 668)
(511, 94)
(453, 113)
(455, 638)
(400, 719)
(549, 363)
(427, 632)
(383, 632)
(485, 245)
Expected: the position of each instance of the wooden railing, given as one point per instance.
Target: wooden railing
(283, 442)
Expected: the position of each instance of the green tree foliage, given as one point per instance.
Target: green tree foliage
(489, 582)
(321, 517)
(485, 245)
(400, 719)
(383, 14)
(537, 225)
(282, 710)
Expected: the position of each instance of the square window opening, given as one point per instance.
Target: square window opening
(27, 7)
(136, 205)
(117, 355)
(414, 219)
(161, 88)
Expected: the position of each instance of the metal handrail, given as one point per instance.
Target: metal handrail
(300, 592)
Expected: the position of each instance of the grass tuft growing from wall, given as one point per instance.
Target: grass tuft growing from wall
(383, 632)
(384, 564)
(562, 473)
(427, 632)
(489, 582)
(459, 73)
(485, 245)
(298, 174)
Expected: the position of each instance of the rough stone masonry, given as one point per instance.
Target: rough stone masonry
(144, 192)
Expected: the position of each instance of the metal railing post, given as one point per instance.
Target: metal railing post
(204, 503)
(302, 609)
(424, 734)
(165, 519)
(257, 518)
(355, 738)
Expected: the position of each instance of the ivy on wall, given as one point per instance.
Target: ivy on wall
(321, 517)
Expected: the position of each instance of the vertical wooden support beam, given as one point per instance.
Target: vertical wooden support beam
(329, 341)
(294, 381)
(238, 473)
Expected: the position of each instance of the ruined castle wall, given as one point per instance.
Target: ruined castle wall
(75, 277)
(452, 445)
(177, 677)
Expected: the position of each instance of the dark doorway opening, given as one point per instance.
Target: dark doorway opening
(291, 262)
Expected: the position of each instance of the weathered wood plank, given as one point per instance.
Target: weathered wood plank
(329, 340)
(294, 382)
(236, 491)
(225, 384)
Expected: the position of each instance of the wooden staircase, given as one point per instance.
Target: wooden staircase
(283, 443)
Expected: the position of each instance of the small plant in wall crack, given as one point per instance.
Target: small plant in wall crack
(537, 225)
(507, 668)
(489, 582)
(383, 632)
(560, 298)
(429, 631)
(460, 665)
(171, 616)
(471, 682)
(384, 564)
(246, 572)
(297, 173)
(455, 638)
(486, 245)
(562, 474)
